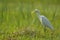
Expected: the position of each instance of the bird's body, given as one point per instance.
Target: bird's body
(44, 21)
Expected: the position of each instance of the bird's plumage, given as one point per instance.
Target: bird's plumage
(44, 21)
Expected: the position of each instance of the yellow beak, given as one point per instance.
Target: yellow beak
(32, 13)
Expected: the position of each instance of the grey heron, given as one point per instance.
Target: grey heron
(44, 21)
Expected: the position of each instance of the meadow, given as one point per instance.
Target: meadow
(17, 22)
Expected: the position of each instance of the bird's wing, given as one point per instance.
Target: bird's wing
(46, 22)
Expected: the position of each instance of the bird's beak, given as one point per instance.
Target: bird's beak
(32, 12)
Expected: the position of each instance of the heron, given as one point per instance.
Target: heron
(44, 21)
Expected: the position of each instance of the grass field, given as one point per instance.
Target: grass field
(17, 22)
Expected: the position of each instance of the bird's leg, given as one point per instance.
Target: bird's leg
(45, 31)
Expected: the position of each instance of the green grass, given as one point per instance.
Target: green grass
(17, 22)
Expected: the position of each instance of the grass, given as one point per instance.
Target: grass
(17, 22)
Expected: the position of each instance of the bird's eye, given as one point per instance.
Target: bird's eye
(36, 11)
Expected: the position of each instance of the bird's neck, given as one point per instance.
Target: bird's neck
(38, 14)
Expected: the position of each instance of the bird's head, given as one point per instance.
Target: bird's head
(36, 11)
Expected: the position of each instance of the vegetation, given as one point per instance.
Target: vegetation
(17, 22)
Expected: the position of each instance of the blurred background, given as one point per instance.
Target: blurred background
(16, 20)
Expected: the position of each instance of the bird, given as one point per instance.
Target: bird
(44, 21)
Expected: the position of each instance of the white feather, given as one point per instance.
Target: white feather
(44, 21)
